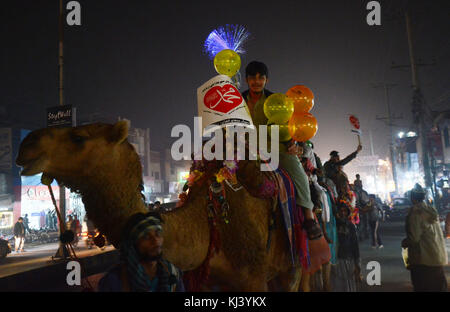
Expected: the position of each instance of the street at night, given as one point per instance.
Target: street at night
(394, 276)
(235, 147)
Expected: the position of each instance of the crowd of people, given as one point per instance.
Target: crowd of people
(335, 211)
(337, 216)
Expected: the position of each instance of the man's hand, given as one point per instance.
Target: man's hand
(359, 148)
(294, 149)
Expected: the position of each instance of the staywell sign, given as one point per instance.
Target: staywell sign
(61, 116)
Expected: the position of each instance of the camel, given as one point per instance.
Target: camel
(99, 163)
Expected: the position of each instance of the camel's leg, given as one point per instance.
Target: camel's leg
(290, 281)
(326, 272)
(316, 281)
(256, 284)
(305, 284)
(287, 281)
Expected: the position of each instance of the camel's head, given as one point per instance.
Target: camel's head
(95, 160)
(70, 154)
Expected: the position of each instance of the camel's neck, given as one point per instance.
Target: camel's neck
(110, 198)
(109, 206)
(186, 232)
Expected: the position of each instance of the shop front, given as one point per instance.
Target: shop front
(36, 203)
(6, 215)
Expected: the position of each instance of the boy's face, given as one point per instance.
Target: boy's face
(257, 82)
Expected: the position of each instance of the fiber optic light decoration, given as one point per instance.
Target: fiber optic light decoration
(231, 37)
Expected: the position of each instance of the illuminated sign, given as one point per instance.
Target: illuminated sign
(40, 193)
(6, 219)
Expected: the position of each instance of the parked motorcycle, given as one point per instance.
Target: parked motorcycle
(5, 247)
(90, 239)
(95, 239)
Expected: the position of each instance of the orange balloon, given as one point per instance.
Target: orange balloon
(302, 126)
(303, 98)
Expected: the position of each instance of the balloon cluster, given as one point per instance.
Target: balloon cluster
(290, 112)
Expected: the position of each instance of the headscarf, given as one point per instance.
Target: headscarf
(418, 193)
(138, 226)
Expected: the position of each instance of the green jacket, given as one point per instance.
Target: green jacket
(425, 240)
(259, 118)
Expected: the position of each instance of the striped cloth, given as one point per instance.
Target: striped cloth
(291, 212)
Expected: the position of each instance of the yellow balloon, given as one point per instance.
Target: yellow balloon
(278, 108)
(283, 132)
(227, 62)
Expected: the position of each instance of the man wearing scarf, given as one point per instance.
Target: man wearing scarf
(142, 268)
(425, 241)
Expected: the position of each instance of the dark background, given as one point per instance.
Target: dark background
(143, 60)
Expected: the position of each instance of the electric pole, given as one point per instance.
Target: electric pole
(418, 106)
(389, 118)
(62, 250)
(374, 168)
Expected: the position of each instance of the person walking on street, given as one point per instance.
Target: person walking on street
(54, 221)
(358, 183)
(26, 223)
(375, 217)
(75, 227)
(427, 254)
(348, 270)
(19, 235)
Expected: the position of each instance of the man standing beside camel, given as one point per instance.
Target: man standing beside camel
(143, 268)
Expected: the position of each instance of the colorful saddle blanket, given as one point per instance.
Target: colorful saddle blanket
(293, 220)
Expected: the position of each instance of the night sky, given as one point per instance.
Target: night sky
(143, 60)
